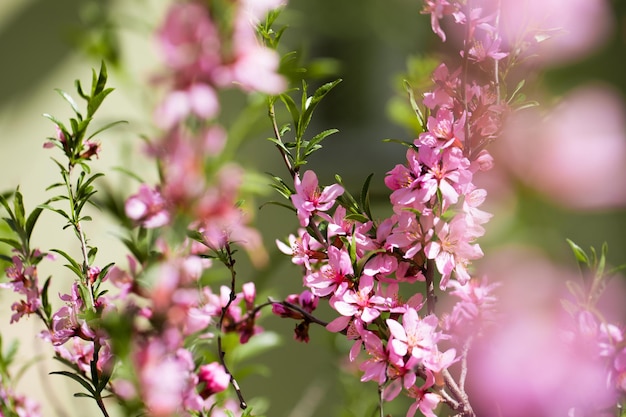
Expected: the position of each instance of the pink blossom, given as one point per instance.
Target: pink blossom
(302, 249)
(452, 250)
(198, 99)
(437, 10)
(214, 377)
(256, 69)
(330, 276)
(547, 153)
(308, 198)
(363, 303)
(448, 172)
(147, 207)
(189, 40)
(556, 31)
(425, 401)
(414, 336)
(412, 233)
(375, 367)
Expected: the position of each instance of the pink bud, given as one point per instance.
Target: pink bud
(214, 376)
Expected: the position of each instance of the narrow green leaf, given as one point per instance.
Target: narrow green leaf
(278, 203)
(420, 116)
(313, 144)
(292, 108)
(517, 89)
(18, 210)
(357, 217)
(32, 219)
(79, 89)
(106, 127)
(11, 242)
(55, 121)
(71, 260)
(309, 105)
(365, 196)
(83, 395)
(56, 210)
(102, 78)
(78, 379)
(70, 100)
(47, 308)
(96, 101)
(579, 253)
(91, 255)
(5, 203)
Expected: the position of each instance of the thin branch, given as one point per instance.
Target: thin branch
(466, 347)
(272, 114)
(459, 394)
(431, 298)
(230, 264)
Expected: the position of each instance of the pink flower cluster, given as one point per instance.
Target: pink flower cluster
(24, 281)
(359, 265)
(206, 50)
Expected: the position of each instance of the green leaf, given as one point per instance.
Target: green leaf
(86, 384)
(106, 127)
(70, 100)
(517, 89)
(309, 104)
(365, 196)
(91, 255)
(73, 265)
(102, 79)
(56, 122)
(579, 253)
(18, 210)
(357, 217)
(56, 210)
(11, 242)
(79, 89)
(32, 219)
(293, 109)
(313, 144)
(47, 308)
(414, 106)
(97, 100)
(83, 395)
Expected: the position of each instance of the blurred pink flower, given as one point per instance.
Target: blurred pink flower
(553, 31)
(214, 377)
(147, 207)
(577, 155)
(531, 362)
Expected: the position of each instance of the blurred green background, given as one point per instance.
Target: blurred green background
(47, 44)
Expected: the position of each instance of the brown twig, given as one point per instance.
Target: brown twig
(230, 264)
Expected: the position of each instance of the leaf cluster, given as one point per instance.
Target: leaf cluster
(595, 273)
(299, 149)
(74, 141)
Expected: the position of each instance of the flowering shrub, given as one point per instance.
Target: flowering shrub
(154, 334)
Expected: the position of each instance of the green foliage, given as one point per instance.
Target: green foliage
(299, 149)
(595, 276)
(21, 225)
(74, 142)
